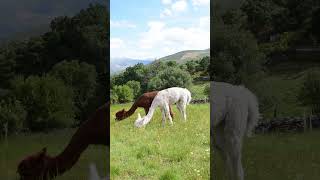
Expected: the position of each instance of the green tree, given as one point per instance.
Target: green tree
(172, 63)
(236, 56)
(124, 93)
(170, 77)
(135, 86)
(191, 66)
(204, 64)
(309, 93)
(47, 100)
(81, 77)
(6, 70)
(13, 114)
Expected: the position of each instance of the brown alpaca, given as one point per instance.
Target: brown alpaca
(40, 166)
(144, 101)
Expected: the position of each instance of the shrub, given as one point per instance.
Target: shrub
(170, 77)
(124, 93)
(81, 77)
(47, 100)
(309, 93)
(13, 114)
(135, 86)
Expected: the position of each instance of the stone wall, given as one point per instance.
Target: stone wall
(287, 124)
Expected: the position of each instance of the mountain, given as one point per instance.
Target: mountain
(119, 64)
(184, 56)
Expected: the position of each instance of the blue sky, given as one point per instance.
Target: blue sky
(144, 29)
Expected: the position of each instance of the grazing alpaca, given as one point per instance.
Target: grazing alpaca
(234, 114)
(94, 175)
(143, 101)
(164, 99)
(40, 166)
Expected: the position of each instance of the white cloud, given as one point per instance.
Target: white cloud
(165, 2)
(201, 2)
(166, 13)
(204, 22)
(164, 40)
(179, 6)
(122, 24)
(116, 43)
(161, 39)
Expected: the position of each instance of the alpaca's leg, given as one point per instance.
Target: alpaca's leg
(163, 116)
(182, 108)
(179, 106)
(166, 106)
(171, 112)
(233, 157)
(184, 105)
(233, 133)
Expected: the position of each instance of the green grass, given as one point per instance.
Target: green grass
(278, 157)
(173, 152)
(285, 80)
(21, 146)
(197, 90)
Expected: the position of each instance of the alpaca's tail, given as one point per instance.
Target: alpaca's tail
(253, 113)
(188, 97)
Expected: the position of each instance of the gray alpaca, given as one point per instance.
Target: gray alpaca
(234, 113)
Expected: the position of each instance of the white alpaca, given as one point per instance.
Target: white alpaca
(164, 98)
(94, 175)
(234, 113)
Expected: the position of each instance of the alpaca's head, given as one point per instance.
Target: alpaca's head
(120, 115)
(34, 167)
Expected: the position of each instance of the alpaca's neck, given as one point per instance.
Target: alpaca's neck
(152, 108)
(93, 131)
(69, 156)
(131, 110)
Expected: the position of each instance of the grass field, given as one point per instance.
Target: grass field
(197, 90)
(181, 151)
(278, 157)
(21, 146)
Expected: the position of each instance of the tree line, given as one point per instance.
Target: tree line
(56, 79)
(134, 81)
(245, 40)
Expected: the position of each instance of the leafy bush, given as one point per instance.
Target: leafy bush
(13, 114)
(309, 93)
(207, 90)
(47, 100)
(170, 77)
(135, 86)
(236, 55)
(123, 93)
(113, 97)
(81, 77)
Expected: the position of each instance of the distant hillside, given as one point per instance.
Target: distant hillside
(185, 56)
(119, 64)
